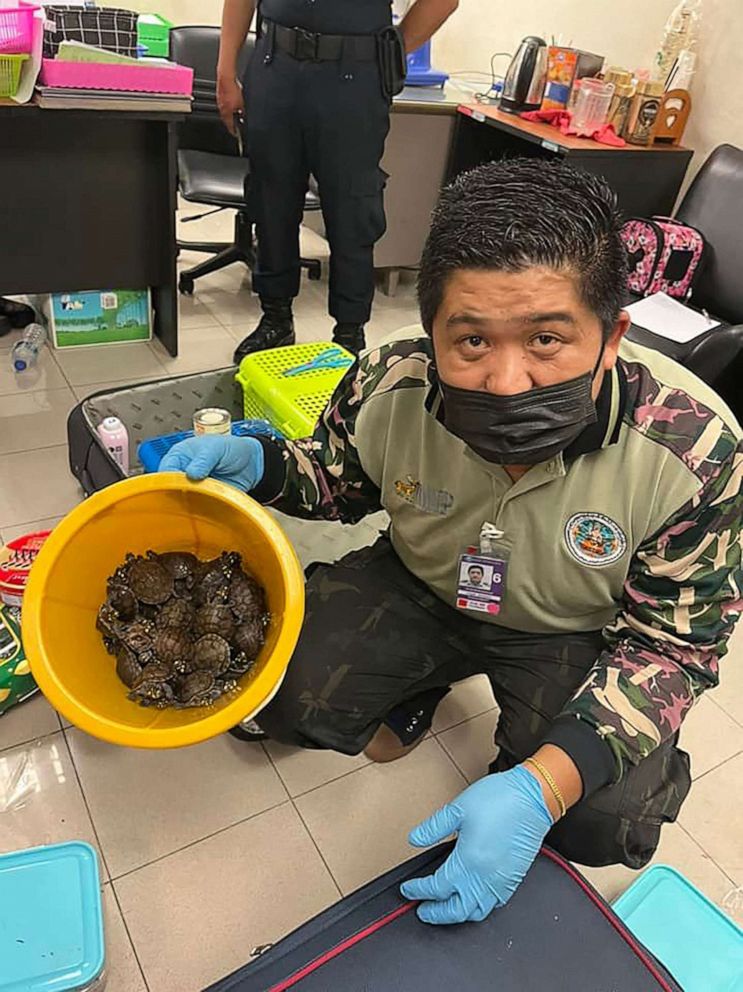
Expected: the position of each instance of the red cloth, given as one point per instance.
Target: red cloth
(563, 119)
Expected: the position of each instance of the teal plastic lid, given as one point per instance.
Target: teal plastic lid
(697, 942)
(51, 921)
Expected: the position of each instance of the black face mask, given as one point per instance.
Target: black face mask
(525, 428)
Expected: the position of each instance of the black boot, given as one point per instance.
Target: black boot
(350, 337)
(276, 329)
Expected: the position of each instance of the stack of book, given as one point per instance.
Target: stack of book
(83, 77)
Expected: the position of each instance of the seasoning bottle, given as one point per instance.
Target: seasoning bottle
(643, 112)
(624, 91)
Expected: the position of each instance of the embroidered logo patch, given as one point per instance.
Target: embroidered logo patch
(435, 501)
(594, 539)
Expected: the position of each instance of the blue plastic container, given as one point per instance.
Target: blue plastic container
(51, 920)
(697, 942)
(420, 72)
(151, 451)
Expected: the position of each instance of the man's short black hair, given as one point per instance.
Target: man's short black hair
(514, 214)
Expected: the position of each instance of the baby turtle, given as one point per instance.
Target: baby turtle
(122, 599)
(246, 597)
(249, 638)
(152, 686)
(138, 637)
(198, 689)
(173, 647)
(108, 622)
(176, 613)
(213, 588)
(128, 667)
(214, 619)
(182, 565)
(212, 653)
(149, 581)
(239, 665)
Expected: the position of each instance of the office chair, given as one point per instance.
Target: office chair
(714, 204)
(210, 169)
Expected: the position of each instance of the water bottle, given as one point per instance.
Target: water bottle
(116, 438)
(26, 351)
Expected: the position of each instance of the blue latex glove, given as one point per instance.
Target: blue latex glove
(238, 461)
(501, 822)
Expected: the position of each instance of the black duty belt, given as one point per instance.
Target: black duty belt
(308, 46)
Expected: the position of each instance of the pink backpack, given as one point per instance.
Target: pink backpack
(665, 256)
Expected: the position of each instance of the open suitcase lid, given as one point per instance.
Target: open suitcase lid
(556, 934)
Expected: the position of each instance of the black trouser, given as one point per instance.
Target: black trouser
(376, 640)
(329, 119)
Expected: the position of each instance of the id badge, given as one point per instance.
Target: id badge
(481, 578)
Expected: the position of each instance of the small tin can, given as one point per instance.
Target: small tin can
(212, 420)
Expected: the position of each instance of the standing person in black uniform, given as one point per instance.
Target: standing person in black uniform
(316, 99)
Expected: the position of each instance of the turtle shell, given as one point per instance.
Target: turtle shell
(128, 667)
(172, 645)
(149, 581)
(246, 598)
(122, 599)
(153, 685)
(108, 622)
(138, 636)
(214, 618)
(212, 653)
(175, 613)
(249, 638)
(214, 587)
(198, 689)
(182, 565)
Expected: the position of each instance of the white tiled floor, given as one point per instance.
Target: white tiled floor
(211, 850)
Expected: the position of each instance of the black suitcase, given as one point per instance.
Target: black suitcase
(147, 410)
(555, 935)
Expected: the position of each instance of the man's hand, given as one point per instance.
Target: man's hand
(237, 461)
(500, 823)
(230, 101)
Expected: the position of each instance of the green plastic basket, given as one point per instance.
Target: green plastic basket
(277, 389)
(153, 31)
(10, 73)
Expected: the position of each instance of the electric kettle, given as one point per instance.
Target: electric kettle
(523, 88)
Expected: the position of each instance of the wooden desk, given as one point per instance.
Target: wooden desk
(87, 201)
(647, 179)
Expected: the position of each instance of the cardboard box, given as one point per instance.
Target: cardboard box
(94, 317)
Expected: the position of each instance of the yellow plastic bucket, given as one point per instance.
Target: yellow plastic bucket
(67, 584)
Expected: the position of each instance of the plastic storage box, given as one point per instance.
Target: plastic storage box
(697, 943)
(10, 73)
(51, 932)
(17, 29)
(290, 387)
(153, 32)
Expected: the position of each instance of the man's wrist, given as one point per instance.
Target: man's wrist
(551, 762)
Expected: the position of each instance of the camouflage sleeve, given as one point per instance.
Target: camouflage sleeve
(682, 599)
(322, 476)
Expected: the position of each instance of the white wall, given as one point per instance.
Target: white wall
(717, 110)
(180, 11)
(627, 32)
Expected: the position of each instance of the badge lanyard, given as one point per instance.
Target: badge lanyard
(481, 577)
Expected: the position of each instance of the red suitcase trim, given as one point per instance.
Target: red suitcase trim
(383, 921)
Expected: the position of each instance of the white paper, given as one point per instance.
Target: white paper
(32, 66)
(670, 319)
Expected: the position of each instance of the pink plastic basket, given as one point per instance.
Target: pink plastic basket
(105, 76)
(17, 29)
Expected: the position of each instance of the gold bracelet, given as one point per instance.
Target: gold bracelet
(548, 778)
